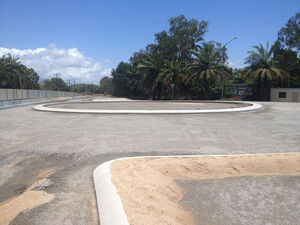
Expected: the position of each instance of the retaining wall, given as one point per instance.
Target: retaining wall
(21, 94)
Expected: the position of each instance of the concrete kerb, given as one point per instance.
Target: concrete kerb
(110, 207)
(253, 106)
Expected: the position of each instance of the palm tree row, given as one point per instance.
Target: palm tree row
(204, 70)
(201, 77)
(156, 74)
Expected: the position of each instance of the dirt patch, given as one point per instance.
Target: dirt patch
(148, 105)
(150, 194)
(32, 197)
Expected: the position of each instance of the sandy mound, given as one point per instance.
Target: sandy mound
(151, 196)
(32, 197)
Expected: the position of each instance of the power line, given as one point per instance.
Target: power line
(56, 75)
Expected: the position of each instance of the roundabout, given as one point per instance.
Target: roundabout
(148, 107)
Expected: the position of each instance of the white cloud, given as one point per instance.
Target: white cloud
(70, 63)
(106, 60)
(239, 63)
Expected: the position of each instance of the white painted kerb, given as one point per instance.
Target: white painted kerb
(253, 106)
(110, 208)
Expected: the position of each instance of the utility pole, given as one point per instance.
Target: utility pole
(73, 83)
(56, 76)
(222, 76)
(69, 84)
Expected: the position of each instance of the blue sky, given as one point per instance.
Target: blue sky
(102, 33)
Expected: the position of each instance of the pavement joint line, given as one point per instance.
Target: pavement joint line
(253, 106)
(110, 208)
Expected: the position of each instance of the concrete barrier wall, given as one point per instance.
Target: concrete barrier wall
(20, 94)
(3, 95)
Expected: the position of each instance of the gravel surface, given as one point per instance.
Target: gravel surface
(148, 105)
(269, 200)
(75, 144)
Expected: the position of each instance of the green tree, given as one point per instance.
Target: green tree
(290, 34)
(86, 88)
(13, 74)
(135, 86)
(55, 84)
(286, 59)
(287, 51)
(182, 36)
(149, 70)
(121, 77)
(173, 73)
(263, 69)
(207, 67)
(106, 85)
(164, 62)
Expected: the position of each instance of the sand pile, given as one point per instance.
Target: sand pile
(151, 196)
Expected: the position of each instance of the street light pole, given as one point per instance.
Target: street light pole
(222, 76)
(222, 80)
(222, 83)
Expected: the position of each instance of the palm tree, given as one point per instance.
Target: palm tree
(13, 74)
(9, 69)
(3, 74)
(12, 70)
(149, 74)
(172, 72)
(262, 68)
(206, 67)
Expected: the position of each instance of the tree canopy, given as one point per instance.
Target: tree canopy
(55, 84)
(181, 56)
(289, 35)
(13, 74)
(106, 85)
(151, 71)
(263, 69)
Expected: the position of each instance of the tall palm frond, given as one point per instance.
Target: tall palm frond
(261, 64)
(149, 71)
(206, 65)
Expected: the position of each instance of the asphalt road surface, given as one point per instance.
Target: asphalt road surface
(266, 200)
(74, 144)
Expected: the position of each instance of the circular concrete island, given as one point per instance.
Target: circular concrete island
(148, 107)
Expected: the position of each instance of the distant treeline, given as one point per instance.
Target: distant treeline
(13, 74)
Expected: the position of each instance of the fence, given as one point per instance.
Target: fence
(20, 94)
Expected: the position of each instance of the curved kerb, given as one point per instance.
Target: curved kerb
(252, 106)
